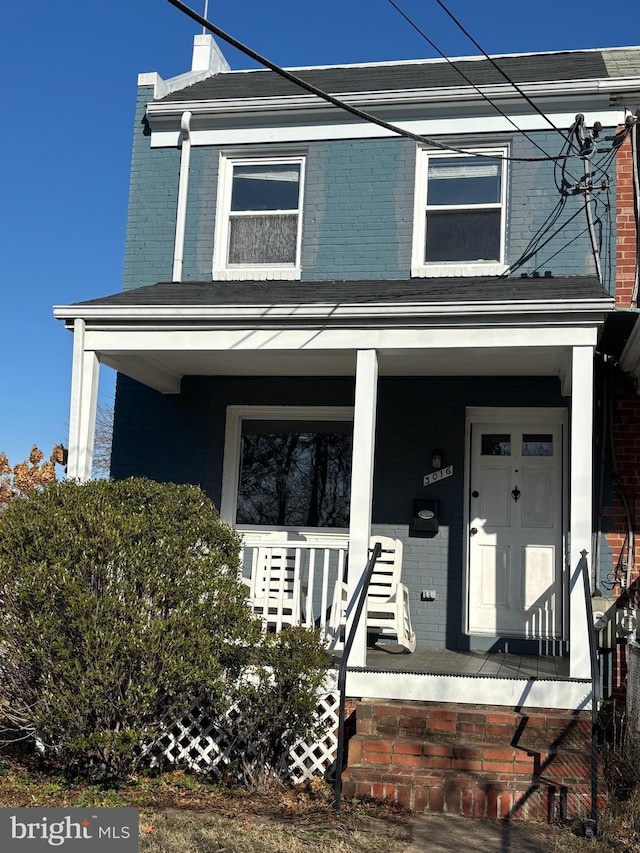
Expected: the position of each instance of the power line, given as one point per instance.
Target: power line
(325, 96)
(482, 94)
(503, 73)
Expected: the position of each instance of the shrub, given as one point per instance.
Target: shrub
(119, 602)
(276, 701)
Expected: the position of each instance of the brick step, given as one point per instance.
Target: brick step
(564, 766)
(470, 795)
(536, 729)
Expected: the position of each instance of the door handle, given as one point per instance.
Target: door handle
(473, 531)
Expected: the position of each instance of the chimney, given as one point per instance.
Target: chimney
(207, 56)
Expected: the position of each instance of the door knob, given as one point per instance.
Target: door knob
(473, 531)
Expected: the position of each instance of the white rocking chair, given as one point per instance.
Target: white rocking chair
(276, 589)
(388, 612)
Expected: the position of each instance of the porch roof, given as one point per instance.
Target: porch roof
(545, 291)
(448, 326)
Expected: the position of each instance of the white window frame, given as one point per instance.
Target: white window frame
(232, 448)
(422, 269)
(222, 271)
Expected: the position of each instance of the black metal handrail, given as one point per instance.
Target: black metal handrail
(342, 671)
(591, 826)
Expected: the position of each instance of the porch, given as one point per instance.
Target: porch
(470, 664)
(400, 378)
(302, 578)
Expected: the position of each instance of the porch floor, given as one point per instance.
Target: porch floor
(468, 663)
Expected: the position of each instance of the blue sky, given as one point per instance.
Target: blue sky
(69, 71)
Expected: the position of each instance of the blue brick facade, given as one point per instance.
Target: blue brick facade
(153, 192)
(359, 206)
(180, 439)
(357, 224)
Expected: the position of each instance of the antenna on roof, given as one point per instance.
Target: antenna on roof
(206, 9)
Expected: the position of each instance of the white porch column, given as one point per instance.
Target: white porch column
(580, 514)
(364, 434)
(84, 402)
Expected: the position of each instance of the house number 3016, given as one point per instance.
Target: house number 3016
(435, 476)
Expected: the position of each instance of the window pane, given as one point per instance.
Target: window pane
(464, 180)
(463, 235)
(295, 474)
(267, 187)
(263, 239)
(495, 444)
(534, 444)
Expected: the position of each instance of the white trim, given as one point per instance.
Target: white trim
(232, 439)
(146, 370)
(162, 88)
(425, 311)
(364, 442)
(84, 400)
(512, 692)
(630, 357)
(425, 269)
(255, 128)
(349, 338)
(224, 271)
(457, 269)
(580, 521)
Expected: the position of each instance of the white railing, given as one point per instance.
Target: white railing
(293, 582)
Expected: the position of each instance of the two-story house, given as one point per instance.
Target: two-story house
(343, 330)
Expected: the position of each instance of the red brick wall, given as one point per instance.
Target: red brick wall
(625, 227)
(626, 412)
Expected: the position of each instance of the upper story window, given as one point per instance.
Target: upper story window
(259, 217)
(459, 222)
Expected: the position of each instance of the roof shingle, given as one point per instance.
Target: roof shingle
(576, 65)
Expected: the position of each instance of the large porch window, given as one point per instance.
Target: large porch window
(288, 468)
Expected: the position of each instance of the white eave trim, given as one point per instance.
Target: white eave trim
(162, 88)
(332, 311)
(630, 357)
(396, 96)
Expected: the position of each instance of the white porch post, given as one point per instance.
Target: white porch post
(84, 402)
(580, 514)
(364, 430)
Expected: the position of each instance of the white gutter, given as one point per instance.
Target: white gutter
(183, 190)
(332, 311)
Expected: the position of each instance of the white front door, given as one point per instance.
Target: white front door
(516, 525)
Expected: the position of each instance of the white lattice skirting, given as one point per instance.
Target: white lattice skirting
(197, 742)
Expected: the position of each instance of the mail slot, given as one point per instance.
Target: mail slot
(425, 521)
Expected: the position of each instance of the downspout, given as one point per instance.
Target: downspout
(636, 200)
(183, 190)
(615, 476)
(602, 447)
